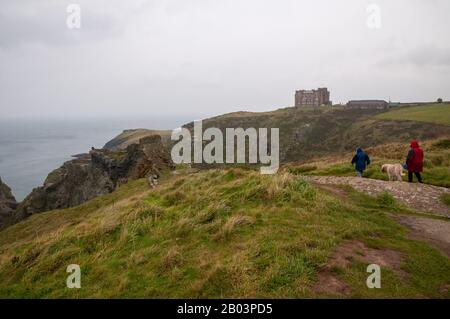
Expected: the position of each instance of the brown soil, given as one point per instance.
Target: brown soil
(344, 255)
(334, 189)
(328, 283)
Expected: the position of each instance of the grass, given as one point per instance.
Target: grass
(446, 199)
(308, 132)
(432, 113)
(436, 163)
(215, 234)
(128, 137)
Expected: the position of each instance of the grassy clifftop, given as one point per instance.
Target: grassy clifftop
(432, 113)
(127, 137)
(218, 233)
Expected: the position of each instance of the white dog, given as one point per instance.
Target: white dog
(394, 171)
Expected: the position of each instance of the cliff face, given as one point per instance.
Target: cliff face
(97, 173)
(7, 203)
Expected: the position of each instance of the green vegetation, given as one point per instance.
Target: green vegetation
(217, 233)
(446, 199)
(432, 113)
(307, 133)
(230, 233)
(127, 137)
(436, 164)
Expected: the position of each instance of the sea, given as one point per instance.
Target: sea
(32, 148)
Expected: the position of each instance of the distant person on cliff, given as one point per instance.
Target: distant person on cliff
(361, 160)
(414, 162)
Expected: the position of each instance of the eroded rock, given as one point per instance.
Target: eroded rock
(7, 203)
(94, 174)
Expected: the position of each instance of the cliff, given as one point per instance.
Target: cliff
(7, 203)
(97, 173)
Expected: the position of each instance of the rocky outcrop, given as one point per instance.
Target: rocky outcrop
(7, 203)
(94, 174)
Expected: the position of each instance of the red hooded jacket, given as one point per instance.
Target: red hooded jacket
(415, 158)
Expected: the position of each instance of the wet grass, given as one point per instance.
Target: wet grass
(432, 113)
(446, 199)
(436, 163)
(219, 233)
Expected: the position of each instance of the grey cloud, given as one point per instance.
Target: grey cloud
(215, 56)
(423, 56)
(44, 23)
(429, 56)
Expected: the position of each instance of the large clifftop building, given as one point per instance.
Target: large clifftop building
(318, 97)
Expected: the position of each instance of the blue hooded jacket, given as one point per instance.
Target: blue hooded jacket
(361, 159)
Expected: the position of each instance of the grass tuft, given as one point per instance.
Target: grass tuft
(445, 198)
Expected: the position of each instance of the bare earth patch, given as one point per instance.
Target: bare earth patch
(328, 283)
(334, 189)
(344, 255)
(422, 197)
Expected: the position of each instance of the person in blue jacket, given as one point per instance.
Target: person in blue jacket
(361, 160)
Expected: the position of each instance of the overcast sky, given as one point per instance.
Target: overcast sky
(178, 57)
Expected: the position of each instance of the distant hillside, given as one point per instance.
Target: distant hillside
(431, 113)
(307, 133)
(127, 137)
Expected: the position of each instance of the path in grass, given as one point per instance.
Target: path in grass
(422, 197)
(435, 231)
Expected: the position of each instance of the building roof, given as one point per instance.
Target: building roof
(367, 101)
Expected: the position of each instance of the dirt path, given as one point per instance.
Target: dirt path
(435, 231)
(422, 197)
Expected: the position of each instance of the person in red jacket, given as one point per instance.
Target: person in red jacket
(414, 162)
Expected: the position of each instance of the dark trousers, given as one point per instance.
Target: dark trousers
(410, 177)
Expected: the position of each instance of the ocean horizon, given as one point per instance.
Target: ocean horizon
(31, 148)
